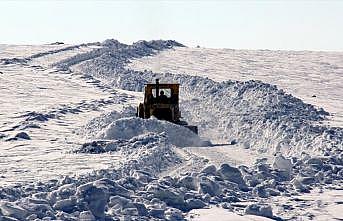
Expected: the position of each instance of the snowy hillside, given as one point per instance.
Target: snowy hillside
(71, 147)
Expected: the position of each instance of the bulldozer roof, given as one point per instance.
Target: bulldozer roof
(163, 84)
(173, 86)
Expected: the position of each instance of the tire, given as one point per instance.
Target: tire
(141, 111)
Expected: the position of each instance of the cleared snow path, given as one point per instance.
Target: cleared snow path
(234, 155)
(315, 77)
(216, 213)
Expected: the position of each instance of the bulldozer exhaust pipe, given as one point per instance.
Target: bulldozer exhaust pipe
(157, 88)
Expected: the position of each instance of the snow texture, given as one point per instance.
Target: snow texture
(265, 117)
(257, 115)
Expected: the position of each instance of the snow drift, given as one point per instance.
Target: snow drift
(127, 128)
(122, 126)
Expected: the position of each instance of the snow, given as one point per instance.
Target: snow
(89, 158)
(322, 205)
(284, 165)
(314, 77)
(221, 214)
(227, 154)
(49, 107)
(260, 115)
(126, 128)
(23, 51)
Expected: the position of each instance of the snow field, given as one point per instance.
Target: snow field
(143, 186)
(42, 110)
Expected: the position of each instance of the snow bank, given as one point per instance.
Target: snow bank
(256, 114)
(97, 124)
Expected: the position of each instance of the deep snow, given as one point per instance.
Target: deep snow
(147, 169)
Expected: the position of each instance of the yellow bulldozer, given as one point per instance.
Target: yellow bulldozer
(162, 102)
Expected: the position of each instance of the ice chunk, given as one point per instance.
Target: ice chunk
(66, 205)
(21, 135)
(232, 174)
(173, 214)
(169, 196)
(210, 170)
(13, 210)
(130, 211)
(259, 210)
(209, 186)
(315, 162)
(284, 165)
(299, 186)
(92, 147)
(260, 191)
(142, 211)
(120, 202)
(66, 190)
(188, 182)
(112, 187)
(86, 216)
(95, 196)
(194, 204)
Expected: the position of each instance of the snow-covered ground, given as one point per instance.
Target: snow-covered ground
(71, 148)
(49, 106)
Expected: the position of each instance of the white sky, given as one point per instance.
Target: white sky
(289, 25)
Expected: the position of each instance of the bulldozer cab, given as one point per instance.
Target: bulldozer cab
(161, 93)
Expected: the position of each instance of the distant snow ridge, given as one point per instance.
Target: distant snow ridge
(116, 52)
(41, 54)
(62, 49)
(258, 114)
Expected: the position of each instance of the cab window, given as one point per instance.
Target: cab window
(167, 92)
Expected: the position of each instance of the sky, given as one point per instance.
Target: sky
(275, 25)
